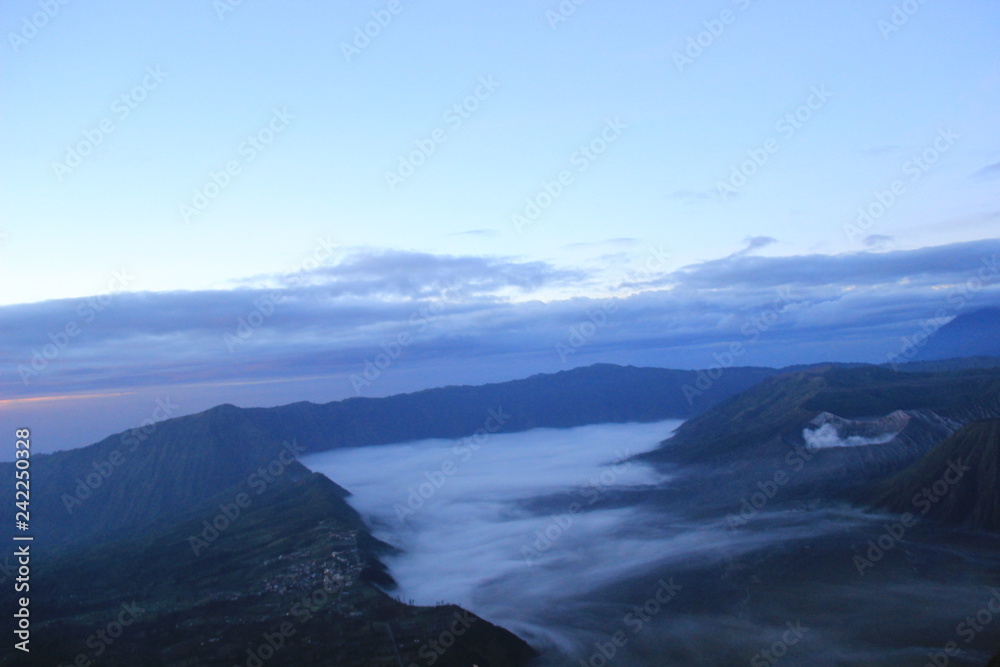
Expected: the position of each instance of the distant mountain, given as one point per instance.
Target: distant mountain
(209, 522)
(602, 393)
(138, 477)
(968, 335)
(939, 365)
(770, 417)
(958, 483)
(122, 518)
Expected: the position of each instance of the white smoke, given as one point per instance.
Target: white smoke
(826, 437)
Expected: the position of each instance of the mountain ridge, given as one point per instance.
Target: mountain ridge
(212, 587)
(136, 477)
(957, 483)
(770, 416)
(976, 333)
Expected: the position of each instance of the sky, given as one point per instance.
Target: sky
(250, 202)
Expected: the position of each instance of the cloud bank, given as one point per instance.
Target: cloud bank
(413, 320)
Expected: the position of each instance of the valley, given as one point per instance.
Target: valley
(826, 515)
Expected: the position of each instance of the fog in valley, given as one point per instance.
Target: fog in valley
(596, 558)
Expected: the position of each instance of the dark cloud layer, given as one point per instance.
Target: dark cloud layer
(465, 318)
(925, 266)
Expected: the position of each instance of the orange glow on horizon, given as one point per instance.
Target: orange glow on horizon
(65, 397)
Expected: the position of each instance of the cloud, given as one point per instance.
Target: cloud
(470, 319)
(753, 243)
(371, 273)
(879, 242)
(689, 195)
(876, 151)
(931, 265)
(477, 232)
(621, 241)
(989, 171)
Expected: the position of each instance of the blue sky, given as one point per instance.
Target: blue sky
(615, 122)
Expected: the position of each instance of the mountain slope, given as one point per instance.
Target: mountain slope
(295, 566)
(595, 394)
(133, 478)
(939, 365)
(770, 417)
(130, 480)
(968, 335)
(958, 483)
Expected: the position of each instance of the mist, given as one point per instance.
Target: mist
(561, 537)
(516, 510)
